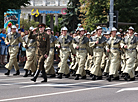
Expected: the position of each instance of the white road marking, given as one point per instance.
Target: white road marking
(59, 85)
(128, 89)
(30, 82)
(10, 78)
(65, 92)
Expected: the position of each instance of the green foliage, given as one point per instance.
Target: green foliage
(28, 24)
(10, 4)
(95, 11)
(72, 18)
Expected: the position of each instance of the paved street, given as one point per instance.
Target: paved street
(20, 89)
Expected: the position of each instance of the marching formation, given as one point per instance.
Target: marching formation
(96, 54)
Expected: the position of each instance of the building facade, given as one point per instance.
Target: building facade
(39, 9)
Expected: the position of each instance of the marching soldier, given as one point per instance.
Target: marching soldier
(31, 62)
(49, 61)
(82, 46)
(65, 45)
(107, 64)
(13, 39)
(88, 63)
(113, 46)
(42, 51)
(97, 43)
(130, 46)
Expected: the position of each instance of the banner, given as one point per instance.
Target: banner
(12, 16)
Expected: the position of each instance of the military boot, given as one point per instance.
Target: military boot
(26, 73)
(44, 76)
(17, 73)
(59, 76)
(126, 77)
(8, 72)
(83, 77)
(36, 75)
(94, 77)
(109, 78)
(77, 77)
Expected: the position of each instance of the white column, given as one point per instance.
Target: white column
(44, 18)
(32, 17)
(44, 2)
(51, 22)
(56, 19)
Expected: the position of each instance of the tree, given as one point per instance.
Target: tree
(72, 18)
(10, 4)
(128, 11)
(27, 24)
(95, 11)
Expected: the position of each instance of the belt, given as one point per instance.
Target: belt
(114, 48)
(64, 47)
(99, 47)
(82, 49)
(13, 45)
(52, 47)
(131, 49)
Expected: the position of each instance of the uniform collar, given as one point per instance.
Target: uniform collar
(65, 36)
(81, 37)
(98, 36)
(113, 37)
(130, 36)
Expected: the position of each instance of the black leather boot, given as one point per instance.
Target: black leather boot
(67, 75)
(53, 76)
(94, 77)
(30, 72)
(116, 78)
(8, 72)
(59, 76)
(99, 78)
(132, 79)
(17, 73)
(44, 76)
(26, 73)
(126, 77)
(36, 75)
(109, 78)
(74, 73)
(77, 77)
(83, 77)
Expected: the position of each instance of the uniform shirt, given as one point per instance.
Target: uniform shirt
(65, 41)
(53, 40)
(29, 42)
(82, 42)
(43, 42)
(101, 41)
(14, 39)
(2, 41)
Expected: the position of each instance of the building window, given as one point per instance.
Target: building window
(52, 2)
(38, 2)
(63, 2)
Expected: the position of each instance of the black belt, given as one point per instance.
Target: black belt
(82, 49)
(99, 47)
(64, 47)
(52, 47)
(131, 49)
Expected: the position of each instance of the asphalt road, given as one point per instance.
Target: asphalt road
(20, 89)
